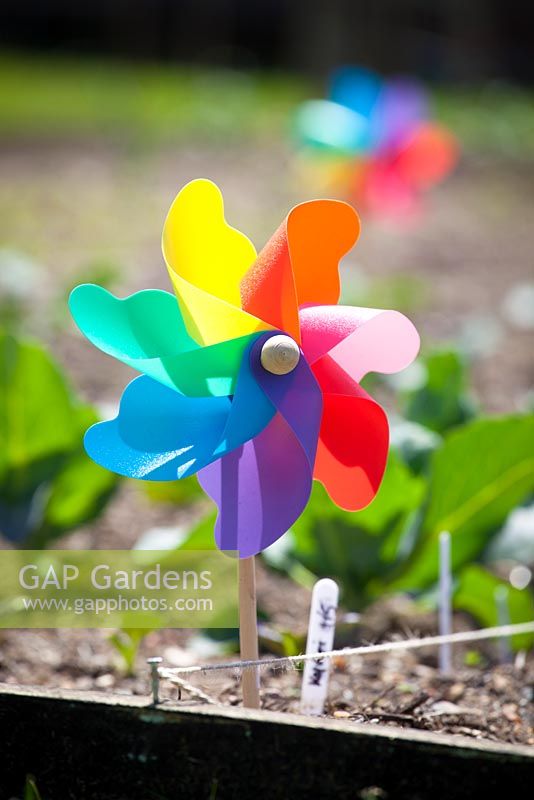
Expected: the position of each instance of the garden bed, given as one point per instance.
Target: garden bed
(482, 699)
(110, 747)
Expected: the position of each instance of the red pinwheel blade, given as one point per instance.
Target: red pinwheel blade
(428, 156)
(343, 344)
(268, 288)
(353, 440)
(385, 191)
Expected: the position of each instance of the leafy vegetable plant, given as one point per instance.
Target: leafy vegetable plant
(447, 471)
(48, 485)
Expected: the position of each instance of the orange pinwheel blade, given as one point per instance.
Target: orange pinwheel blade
(320, 233)
(300, 263)
(268, 288)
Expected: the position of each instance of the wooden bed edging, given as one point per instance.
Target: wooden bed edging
(92, 746)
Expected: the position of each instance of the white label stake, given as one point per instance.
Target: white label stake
(502, 597)
(321, 631)
(445, 602)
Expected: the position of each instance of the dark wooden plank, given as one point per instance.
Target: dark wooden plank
(83, 746)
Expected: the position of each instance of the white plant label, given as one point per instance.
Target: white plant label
(445, 601)
(321, 632)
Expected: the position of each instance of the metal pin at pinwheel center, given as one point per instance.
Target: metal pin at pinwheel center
(280, 355)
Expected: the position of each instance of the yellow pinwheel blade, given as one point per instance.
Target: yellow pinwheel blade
(207, 259)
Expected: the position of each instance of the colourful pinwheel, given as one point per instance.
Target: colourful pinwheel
(251, 372)
(375, 141)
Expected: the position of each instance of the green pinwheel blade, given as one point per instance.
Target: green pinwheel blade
(146, 331)
(162, 435)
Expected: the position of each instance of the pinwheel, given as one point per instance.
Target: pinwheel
(376, 140)
(250, 371)
(250, 375)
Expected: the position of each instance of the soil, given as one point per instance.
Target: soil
(489, 700)
(72, 206)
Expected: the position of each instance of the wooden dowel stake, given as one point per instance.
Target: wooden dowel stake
(248, 631)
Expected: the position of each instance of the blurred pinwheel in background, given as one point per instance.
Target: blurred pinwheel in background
(251, 373)
(373, 142)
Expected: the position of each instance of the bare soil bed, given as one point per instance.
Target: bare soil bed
(488, 701)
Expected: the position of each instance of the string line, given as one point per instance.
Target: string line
(194, 691)
(385, 647)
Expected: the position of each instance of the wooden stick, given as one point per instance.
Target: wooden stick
(248, 631)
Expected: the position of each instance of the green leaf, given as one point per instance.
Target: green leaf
(175, 493)
(126, 643)
(399, 493)
(201, 536)
(442, 401)
(78, 492)
(414, 443)
(48, 484)
(36, 413)
(280, 641)
(475, 593)
(356, 548)
(483, 471)
(473, 659)
(31, 792)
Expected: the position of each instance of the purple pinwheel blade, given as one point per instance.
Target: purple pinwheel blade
(400, 108)
(296, 396)
(263, 487)
(260, 489)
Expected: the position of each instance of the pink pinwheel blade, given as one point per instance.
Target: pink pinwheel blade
(360, 340)
(263, 487)
(385, 191)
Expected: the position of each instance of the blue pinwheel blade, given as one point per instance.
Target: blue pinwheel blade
(158, 434)
(162, 435)
(355, 88)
